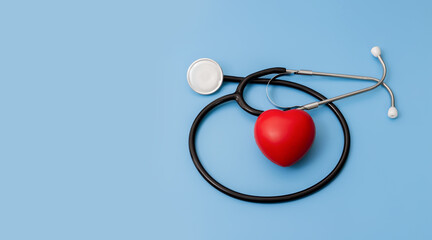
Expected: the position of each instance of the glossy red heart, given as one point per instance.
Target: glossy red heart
(284, 136)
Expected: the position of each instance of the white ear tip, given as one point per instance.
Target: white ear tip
(392, 112)
(376, 51)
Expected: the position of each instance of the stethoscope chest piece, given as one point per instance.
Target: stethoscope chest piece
(205, 76)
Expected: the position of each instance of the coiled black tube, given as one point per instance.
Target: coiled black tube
(238, 96)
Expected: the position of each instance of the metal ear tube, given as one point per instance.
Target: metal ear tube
(376, 52)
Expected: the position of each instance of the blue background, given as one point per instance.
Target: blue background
(95, 112)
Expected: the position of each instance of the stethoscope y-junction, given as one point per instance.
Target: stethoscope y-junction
(284, 136)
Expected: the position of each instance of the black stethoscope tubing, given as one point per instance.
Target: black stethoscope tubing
(238, 97)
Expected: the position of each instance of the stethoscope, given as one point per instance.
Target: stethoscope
(205, 77)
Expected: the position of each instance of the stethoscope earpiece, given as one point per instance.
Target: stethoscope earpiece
(392, 112)
(376, 51)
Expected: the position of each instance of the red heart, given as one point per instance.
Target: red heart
(284, 136)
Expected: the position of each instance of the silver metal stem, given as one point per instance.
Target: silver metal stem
(379, 82)
(360, 78)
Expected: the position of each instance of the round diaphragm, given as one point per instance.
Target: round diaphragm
(205, 76)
